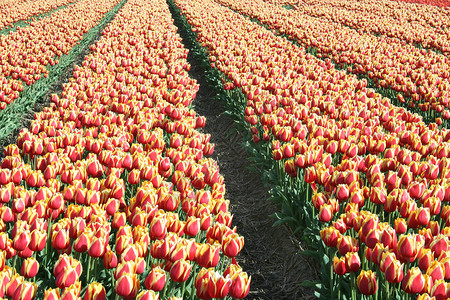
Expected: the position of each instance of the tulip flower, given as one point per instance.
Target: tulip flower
(51, 294)
(325, 213)
(232, 244)
(394, 272)
(30, 267)
(13, 284)
(367, 283)
(180, 270)
(156, 279)
(218, 286)
(240, 285)
(25, 290)
(436, 270)
(208, 255)
(352, 262)
(147, 295)
(95, 290)
(339, 265)
(330, 236)
(127, 285)
(408, 247)
(414, 281)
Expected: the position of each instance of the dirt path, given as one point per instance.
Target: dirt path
(271, 255)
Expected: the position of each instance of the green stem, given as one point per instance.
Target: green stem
(331, 273)
(111, 273)
(339, 287)
(183, 289)
(88, 279)
(378, 284)
(49, 238)
(353, 285)
(14, 263)
(388, 290)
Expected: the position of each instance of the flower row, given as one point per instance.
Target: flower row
(389, 62)
(440, 3)
(113, 174)
(418, 24)
(26, 53)
(23, 10)
(367, 179)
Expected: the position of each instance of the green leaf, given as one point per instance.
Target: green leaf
(309, 283)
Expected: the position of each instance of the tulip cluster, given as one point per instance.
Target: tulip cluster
(14, 11)
(381, 200)
(420, 24)
(440, 3)
(416, 77)
(111, 185)
(26, 53)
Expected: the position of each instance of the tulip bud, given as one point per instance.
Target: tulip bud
(30, 267)
(97, 247)
(208, 255)
(400, 226)
(156, 279)
(439, 245)
(60, 239)
(436, 270)
(158, 227)
(367, 283)
(127, 285)
(218, 286)
(408, 247)
(147, 295)
(109, 260)
(330, 236)
(95, 291)
(192, 226)
(339, 265)
(25, 290)
(352, 261)
(240, 285)
(414, 281)
(232, 244)
(180, 270)
(67, 277)
(12, 285)
(325, 213)
(347, 244)
(51, 294)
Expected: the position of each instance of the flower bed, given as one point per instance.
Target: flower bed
(416, 78)
(26, 53)
(110, 191)
(15, 11)
(373, 208)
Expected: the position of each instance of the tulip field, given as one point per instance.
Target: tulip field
(114, 189)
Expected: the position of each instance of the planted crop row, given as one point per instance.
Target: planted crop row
(341, 168)
(11, 117)
(418, 25)
(396, 10)
(26, 53)
(16, 11)
(110, 190)
(440, 3)
(412, 75)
